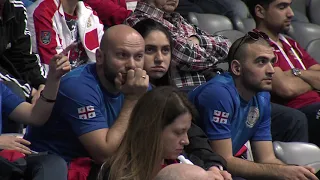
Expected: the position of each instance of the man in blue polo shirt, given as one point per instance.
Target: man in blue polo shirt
(94, 101)
(234, 107)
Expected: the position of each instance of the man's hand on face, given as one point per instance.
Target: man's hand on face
(135, 85)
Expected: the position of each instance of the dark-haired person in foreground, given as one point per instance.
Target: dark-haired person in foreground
(235, 107)
(157, 60)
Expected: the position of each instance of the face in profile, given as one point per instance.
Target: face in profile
(257, 69)
(123, 55)
(279, 15)
(175, 136)
(166, 5)
(157, 54)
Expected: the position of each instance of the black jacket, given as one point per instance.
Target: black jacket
(199, 150)
(17, 62)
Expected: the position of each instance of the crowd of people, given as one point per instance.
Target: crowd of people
(108, 93)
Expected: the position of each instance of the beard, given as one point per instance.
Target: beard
(109, 74)
(253, 87)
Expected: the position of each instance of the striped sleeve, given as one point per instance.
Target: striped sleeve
(47, 39)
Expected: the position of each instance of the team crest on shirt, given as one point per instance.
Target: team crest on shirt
(252, 117)
(220, 117)
(86, 112)
(45, 37)
(89, 24)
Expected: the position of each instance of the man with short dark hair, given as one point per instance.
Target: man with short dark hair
(296, 81)
(234, 107)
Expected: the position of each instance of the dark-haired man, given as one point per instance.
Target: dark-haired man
(235, 107)
(296, 81)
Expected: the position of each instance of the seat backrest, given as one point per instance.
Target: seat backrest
(313, 49)
(299, 8)
(304, 33)
(211, 23)
(232, 35)
(314, 12)
(298, 153)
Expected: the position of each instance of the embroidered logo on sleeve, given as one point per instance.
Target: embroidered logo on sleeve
(220, 117)
(86, 112)
(45, 37)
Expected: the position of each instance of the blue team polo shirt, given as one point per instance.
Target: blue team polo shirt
(224, 114)
(82, 106)
(9, 101)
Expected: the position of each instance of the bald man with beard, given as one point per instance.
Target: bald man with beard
(95, 101)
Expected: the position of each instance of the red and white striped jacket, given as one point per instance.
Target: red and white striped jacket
(51, 35)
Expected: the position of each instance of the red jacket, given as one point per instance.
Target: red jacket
(110, 12)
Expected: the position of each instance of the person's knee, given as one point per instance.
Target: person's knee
(55, 161)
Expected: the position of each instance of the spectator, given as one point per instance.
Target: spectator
(39, 166)
(17, 63)
(195, 53)
(154, 138)
(296, 81)
(235, 107)
(156, 63)
(55, 24)
(110, 12)
(95, 101)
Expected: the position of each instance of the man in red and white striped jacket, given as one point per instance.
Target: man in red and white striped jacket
(56, 24)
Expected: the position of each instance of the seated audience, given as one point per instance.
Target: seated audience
(95, 101)
(17, 63)
(55, 24)
(195, 52)
(154, 138)
(49, 167)
(158, 46)
(110, 12)
(235, 107)
(296, 80)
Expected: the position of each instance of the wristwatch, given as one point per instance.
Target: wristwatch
(296, 72)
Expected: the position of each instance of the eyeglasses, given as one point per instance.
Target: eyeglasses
(252, 35)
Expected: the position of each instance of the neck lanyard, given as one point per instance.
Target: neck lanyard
(285, 55)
